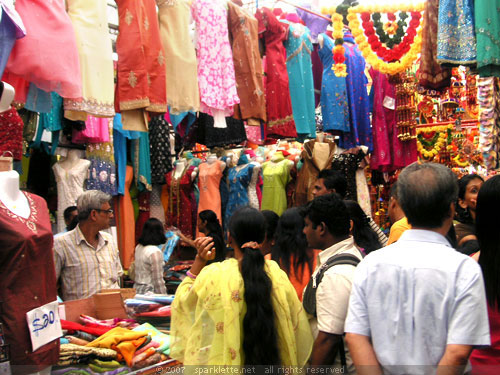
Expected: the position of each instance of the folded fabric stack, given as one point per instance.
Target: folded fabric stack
(161, 338)
(71, 354)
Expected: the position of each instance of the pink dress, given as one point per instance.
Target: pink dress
(96, 131)
(216, 77)
(389, 153)
(47, 56)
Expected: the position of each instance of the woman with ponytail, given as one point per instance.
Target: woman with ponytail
(243, 311)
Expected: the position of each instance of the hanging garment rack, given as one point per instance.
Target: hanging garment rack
(306, 10)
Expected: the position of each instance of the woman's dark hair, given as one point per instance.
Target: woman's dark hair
(291, 242)
(488, 236)
(260, 339)
(463, 215)
(364, 236)
(213, 225)
(272, 219)
(152, 233)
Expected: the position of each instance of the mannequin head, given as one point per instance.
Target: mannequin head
(7, 93)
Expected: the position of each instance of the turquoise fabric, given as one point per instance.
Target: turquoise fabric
(334, 103)
(239, 178)
(299, 67)
(487, 19)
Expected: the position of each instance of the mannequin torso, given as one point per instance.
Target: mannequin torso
(11, 196)
(180, 168)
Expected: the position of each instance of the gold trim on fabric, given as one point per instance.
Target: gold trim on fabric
(178, 109)
(159, 108)
(132, 79)
(280, 121)
(298, 50)
(145, 183)
(90, 106)
(169, 3)
(134, 104)
(30, 222)
(128, 17)
(454, 62)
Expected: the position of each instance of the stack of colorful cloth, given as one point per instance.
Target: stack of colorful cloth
(71, 354)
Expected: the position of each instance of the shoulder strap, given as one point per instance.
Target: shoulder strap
(334, 261)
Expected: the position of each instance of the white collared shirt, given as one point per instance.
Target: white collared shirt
(414, 297)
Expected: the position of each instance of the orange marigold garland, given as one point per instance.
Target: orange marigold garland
(339, 68)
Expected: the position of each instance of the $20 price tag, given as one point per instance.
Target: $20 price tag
(44, 324)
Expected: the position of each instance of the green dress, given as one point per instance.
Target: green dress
(487, 20)
(276, 175)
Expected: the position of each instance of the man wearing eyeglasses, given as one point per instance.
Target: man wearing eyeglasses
(87, 259)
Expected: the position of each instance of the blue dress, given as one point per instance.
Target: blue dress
(334, 105)
(238, 179)
(360, 131)
(299, 67)
(120, 148)
(456, 39)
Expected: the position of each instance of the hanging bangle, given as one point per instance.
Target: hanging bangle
(191, 275)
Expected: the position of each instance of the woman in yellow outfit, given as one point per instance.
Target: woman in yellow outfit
(242, 311)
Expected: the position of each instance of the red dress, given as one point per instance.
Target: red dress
(141, 58)
(181, 212)
(28, 280)
(278, 104)
(487, 361)
(11, 133)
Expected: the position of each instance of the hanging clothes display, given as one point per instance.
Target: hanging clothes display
(28, 279)
(430, 74)
(359, 130)
(215, 61)
(211, 136)
(278, 104)
(11, 28)
(90, 23)
(209, 180)
(141, 60)
(180, 56)
(159, 149)
(389, 152)
(70, 180)
(456, 42)
(316, 156)
(181, 211)
(334, 104)
(120, 137)
(125, 221)
(96, 131)
(243, 32)
(102, 174)
(487, 23)
(348, 164)
(11, 133)
(276, 175)
(238, 179)
(299, 67)
(253, 189)
(47, 56)
(141, 162)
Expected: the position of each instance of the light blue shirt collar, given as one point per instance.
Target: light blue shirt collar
(422, 235)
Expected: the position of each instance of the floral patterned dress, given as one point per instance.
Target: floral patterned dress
(216, 78)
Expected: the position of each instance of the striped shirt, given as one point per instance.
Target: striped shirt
(83, 271)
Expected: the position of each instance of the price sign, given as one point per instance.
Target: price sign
(44, 324)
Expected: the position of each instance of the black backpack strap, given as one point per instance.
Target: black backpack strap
(335, 260)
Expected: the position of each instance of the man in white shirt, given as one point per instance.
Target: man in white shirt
(418, 306)
(327, 227)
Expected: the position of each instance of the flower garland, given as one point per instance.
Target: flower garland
(401, 47)
(370, 56)
(390, 28)
(339, 67)
(443, 138)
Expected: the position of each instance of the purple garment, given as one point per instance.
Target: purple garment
(316, 24)
(317, 67)
(356, 81)
(389, 153)
(11, 28)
